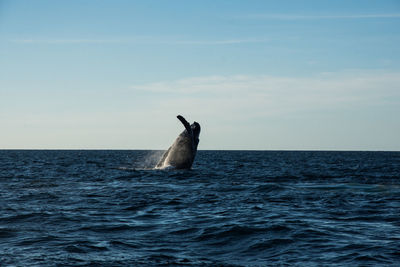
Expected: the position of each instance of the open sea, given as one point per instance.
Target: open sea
(233, 208)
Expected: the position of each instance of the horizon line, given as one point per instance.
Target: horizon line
(249, 150)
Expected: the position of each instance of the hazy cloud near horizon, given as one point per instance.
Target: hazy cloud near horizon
(232, 110)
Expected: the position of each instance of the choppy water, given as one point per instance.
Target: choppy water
(105, 208)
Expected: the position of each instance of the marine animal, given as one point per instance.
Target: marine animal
(182, 152)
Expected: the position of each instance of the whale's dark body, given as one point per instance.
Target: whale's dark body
(182, 152)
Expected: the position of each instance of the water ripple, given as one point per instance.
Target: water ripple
(234, 208)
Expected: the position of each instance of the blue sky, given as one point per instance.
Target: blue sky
(255, 74)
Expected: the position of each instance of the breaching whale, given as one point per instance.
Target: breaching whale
(181, 153)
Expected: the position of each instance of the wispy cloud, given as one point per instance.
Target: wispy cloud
(64, 41)
(217, 42)
(317, 17)
(347, 110)
(264, 95)
(280, 111)
(139, 40)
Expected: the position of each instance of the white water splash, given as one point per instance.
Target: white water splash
(150, 160)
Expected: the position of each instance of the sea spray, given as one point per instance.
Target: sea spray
(149, 159)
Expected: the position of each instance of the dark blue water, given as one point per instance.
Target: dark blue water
(106, 208)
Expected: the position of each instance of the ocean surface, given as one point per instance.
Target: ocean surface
(233, 208)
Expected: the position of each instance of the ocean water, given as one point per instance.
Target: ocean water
(234, 208)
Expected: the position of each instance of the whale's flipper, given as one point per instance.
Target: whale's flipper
(186, 124)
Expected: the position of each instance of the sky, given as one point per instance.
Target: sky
(257, 75)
